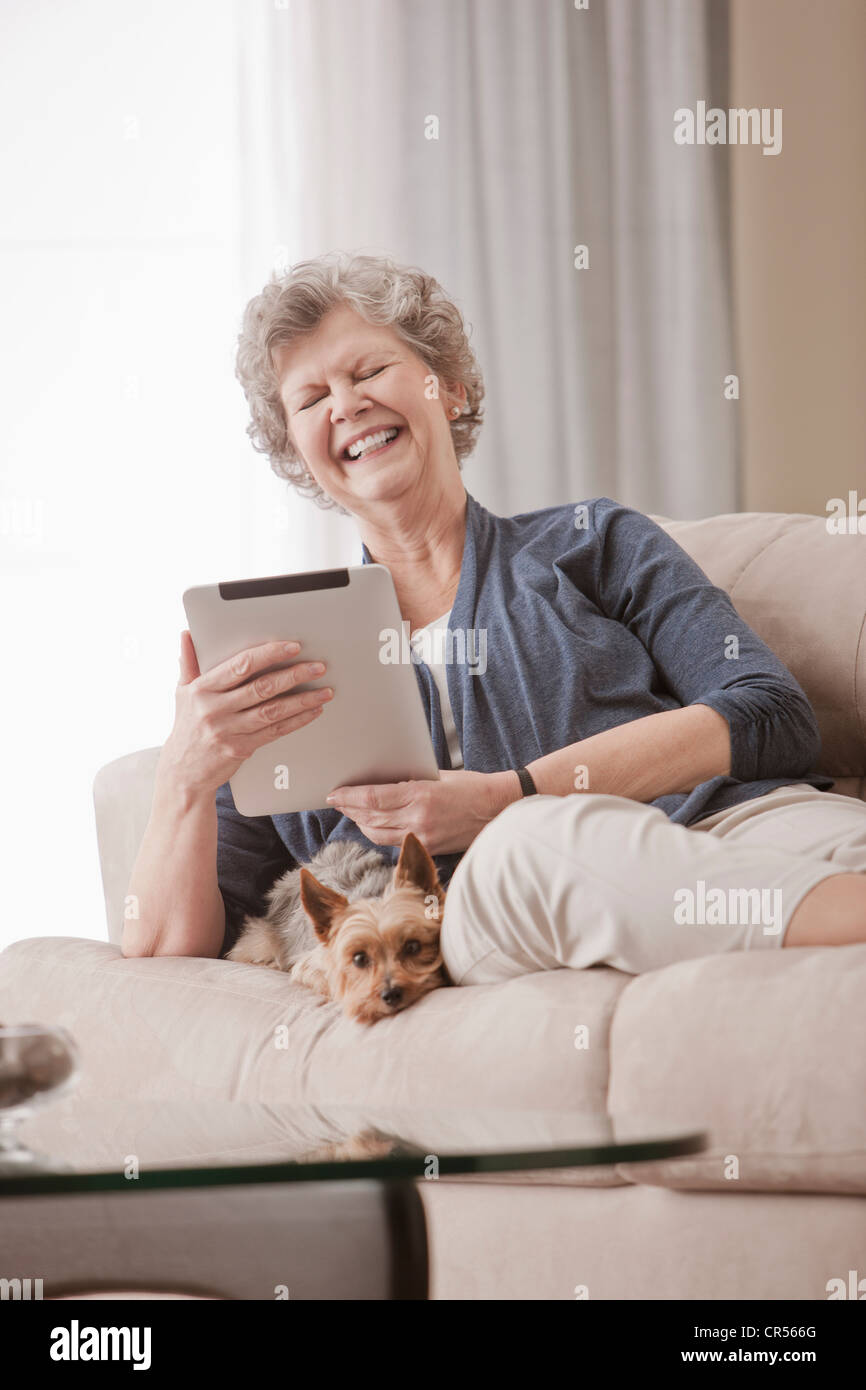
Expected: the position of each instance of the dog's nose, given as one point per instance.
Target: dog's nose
(392, 995)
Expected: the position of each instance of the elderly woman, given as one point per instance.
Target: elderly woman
(628, 767)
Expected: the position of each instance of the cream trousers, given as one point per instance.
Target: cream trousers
(590, 879)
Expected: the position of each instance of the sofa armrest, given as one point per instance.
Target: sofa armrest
(122, 798)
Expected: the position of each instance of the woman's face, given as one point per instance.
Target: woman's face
(349, 379)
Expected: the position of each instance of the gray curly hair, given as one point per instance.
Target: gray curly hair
(382, 292)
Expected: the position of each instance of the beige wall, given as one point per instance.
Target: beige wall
(799, 252)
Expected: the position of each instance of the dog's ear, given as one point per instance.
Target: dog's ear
(321, 904)
(416, 868)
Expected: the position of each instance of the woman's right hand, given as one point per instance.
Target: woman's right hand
(225, 715)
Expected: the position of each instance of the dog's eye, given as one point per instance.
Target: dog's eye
(360, 959)
(412, 948)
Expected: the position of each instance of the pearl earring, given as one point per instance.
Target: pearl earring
(455, 410)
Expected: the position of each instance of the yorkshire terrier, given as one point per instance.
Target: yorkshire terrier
(359, 931)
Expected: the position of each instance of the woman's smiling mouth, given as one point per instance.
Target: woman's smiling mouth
(376, 442)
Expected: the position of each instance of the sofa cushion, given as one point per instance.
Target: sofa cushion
(766, 1051)
(191, 1029)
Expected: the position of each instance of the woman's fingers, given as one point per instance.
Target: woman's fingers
(238, 672)
(374, 796)
(188, 661)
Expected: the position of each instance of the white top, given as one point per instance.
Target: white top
(431, 644)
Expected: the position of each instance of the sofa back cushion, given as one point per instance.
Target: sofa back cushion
(803, 591)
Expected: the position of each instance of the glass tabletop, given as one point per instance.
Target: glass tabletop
(83, 1145)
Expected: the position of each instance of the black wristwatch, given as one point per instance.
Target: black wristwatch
(526, 782)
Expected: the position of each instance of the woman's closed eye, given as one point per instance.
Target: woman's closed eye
(365, 377)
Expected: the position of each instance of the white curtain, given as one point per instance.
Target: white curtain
(125, 475)
(554, 130)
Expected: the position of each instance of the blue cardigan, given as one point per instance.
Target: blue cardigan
(584, 618)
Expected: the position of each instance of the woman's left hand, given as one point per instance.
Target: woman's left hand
(446, 815)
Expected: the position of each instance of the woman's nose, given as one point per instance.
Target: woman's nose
(348, 402)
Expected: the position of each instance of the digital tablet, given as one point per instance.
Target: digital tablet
(375, 727)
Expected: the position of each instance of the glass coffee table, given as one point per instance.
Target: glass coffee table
(221, 1199)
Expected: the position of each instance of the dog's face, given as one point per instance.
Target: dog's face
(383, 953)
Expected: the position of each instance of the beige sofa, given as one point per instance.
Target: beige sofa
(766, 1051)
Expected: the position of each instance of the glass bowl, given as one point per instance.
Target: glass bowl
(38, 1064)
